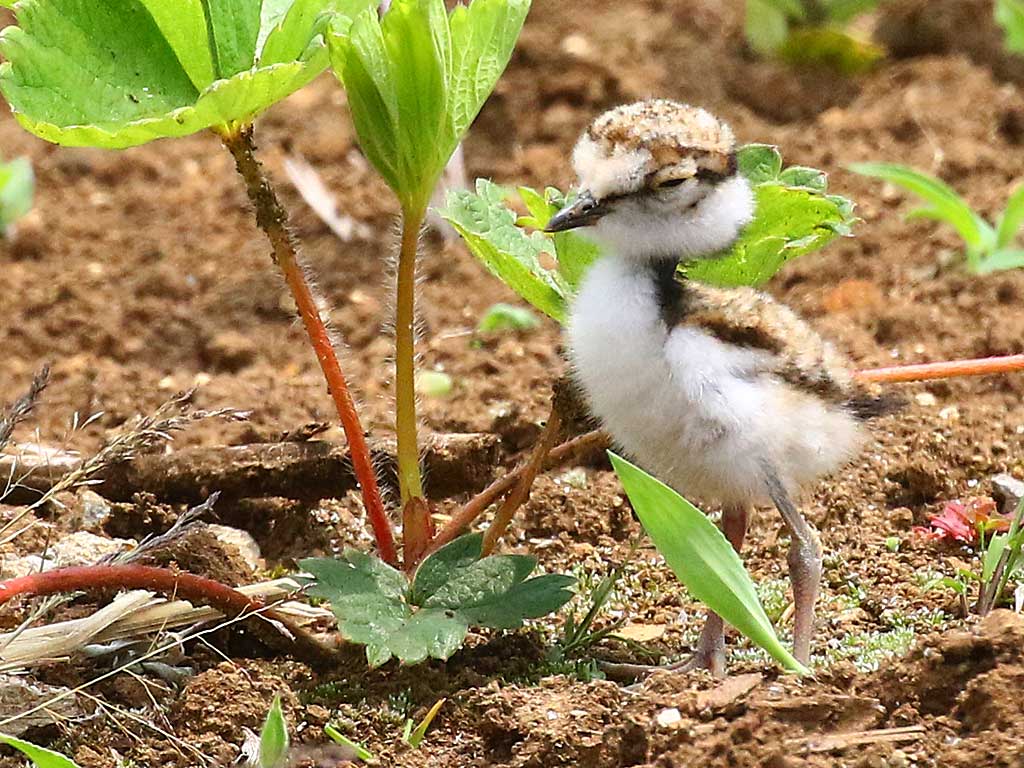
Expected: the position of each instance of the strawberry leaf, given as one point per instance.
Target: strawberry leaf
(124, 72)
(453, 589)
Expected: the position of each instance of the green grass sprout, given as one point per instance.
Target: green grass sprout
(17, 188)
(40, 757)
(274, 742)
(987, 248)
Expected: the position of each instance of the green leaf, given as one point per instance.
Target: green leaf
(1009, 14)
(507, 317)
(701, 557)
(844, 11)
(944, 204)
(41, 758)
(416, 735)
(767, 25)
(1011, 219)
(760, 163)
(17, 188)
(1007, 258)
(274, 738)
(453, 589)
(338, 737)
(418, 78)
(829, 48)
(124, 72)
(510, 253)
(994, 551)
(451, 559)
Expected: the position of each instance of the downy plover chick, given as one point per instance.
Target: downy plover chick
(724, 394)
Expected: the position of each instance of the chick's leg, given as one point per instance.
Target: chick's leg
(804, 567)
(710, 651)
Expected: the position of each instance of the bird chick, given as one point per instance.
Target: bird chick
(723, 394)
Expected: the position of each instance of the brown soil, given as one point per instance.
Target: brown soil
(140, 273)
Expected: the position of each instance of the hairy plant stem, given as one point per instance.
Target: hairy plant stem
(476, 506)
(943, 370)
(171, 583)
(405, 358)
(273, 220)
(521, 492)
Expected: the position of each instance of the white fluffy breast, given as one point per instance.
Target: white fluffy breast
(696, 412)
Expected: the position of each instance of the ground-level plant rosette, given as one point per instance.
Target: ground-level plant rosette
(430, 615)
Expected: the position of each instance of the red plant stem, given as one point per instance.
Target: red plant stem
(476, 506)
(171, 583)
(409, 478)
(273, 220)
(187, 586)
(944, 370)
(521, 492)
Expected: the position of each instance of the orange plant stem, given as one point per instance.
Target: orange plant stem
(273, 220)
(944, 370)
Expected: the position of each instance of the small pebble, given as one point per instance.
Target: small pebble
(669, 717)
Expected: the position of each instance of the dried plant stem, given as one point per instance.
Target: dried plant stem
(944, 370)
(20, 408)
(564, 453)
(273, 220)
(521, 491)
(405, 359)
(172, 583)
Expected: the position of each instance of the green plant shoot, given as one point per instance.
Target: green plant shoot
(987, 248)
(416, 79)
(702, 558)
(795, 216)
(274, 742)
(40, 757)
(453, 589)
(17, 188)
(811, 33)
(130, 71)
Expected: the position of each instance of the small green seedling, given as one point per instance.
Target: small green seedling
(811, 32)
(1001, 562)
(274, 742)
(702, 558)
(360, 752)
(414, 733)
(1009, 15)
(502, 317)
(453, 589)
(40, 757)
(17, 187)
(416, 80)
(988, 248)
(795, 216)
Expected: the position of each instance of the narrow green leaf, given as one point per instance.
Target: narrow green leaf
(1011, 219)
(944, 204)
(994, 551)
(17, 188)
(1007, 258)
(830, 48)
(338, 737)
(274, 738)
(701, 557)
(40, 757)
(843, 11)
(416, 735)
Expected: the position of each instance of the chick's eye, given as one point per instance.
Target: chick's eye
(670, 183)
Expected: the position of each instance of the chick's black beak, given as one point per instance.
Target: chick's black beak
(582, 212)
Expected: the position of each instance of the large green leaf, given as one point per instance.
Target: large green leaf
(41, 758)
(17, 188)
(795, 216)
(123, 72)
(453, 589)
(417, 78)
(701, 557)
